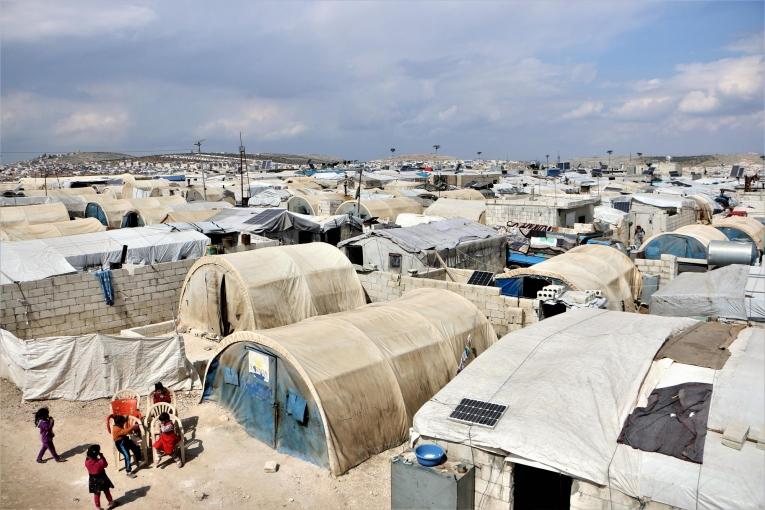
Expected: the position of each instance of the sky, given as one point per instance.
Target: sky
(513, 80)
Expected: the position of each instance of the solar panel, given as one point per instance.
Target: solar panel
(478, 412)
(483, 278)
(265, 216)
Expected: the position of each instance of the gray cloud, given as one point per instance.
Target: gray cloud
(353, 79)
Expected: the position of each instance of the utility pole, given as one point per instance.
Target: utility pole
(609, 151)
(392, 151)
(242, 165)
(198, 143)
(358, 191)
(547, 157)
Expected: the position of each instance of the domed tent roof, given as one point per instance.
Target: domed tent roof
(267, 288)
(369, 370)
(110, 212)
(591, 267)
(474, 210)
(56, 229)
(753, 229)
(689, 241)
(33, 214)
(384, 209)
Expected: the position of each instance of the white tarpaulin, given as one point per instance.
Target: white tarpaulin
(731, 292)
(30, 260)
(727, 478)
(87, 367)
(569, 383)
(663, 201)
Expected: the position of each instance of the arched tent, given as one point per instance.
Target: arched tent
(385, 210)
(212, 194)
(46, 230)
(267, 288)
(156, 202)
(309, 203)
(689, 241)
(339, 388)
(33, 214)
(586, 267)
(740, 228)
(473, 210)
(463, 194)
(706, 207)
(113, 213)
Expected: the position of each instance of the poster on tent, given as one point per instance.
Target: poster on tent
(258, 365)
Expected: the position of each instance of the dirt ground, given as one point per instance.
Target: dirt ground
(224, 466)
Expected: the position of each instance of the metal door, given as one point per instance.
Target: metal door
(258, 381)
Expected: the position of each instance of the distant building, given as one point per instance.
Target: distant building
(541, 210)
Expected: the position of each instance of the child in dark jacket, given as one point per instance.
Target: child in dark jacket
(98, 481)
(44, 422)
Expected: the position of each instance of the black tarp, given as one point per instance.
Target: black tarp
(674, 422)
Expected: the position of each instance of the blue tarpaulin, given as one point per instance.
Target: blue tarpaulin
(105, 279)
(523, 260)
(677, 245)
(510, 286)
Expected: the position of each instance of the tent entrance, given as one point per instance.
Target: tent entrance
(535, 488)
(259, 407)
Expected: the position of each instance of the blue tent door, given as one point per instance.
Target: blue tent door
(259, 384)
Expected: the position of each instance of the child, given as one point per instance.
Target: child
(44, 422)
(165, 443)
(121, 435)
(98, 482)
(161, 394)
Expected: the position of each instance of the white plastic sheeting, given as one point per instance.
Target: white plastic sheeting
(663, 201)
(40, 258)
(727, 478)
(88, 367)
(731, 292)
(569, 383)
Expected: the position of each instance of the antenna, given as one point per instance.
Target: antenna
(198, 143)
(242, 166)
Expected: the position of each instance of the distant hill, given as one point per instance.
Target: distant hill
(421, 157)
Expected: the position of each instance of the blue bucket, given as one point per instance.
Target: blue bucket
(430, 455)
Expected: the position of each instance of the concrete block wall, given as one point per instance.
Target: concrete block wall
(505, 313)
(493, 475)
(502, 212)
(74, 304)
(666, 268)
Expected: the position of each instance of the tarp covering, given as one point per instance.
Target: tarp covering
(59, 229)
(591, 267)
(439, 235)
(40, 258)
(727, 478)
(673, 422)
(87, 367)
(384, 210)
(308, 201)
(689, 241)
(370, 369)
(463, 194)
(109, 211)
(33, 214)
(730, 292)
(749, 226)
(569, 383)
(663, 201)
(473, 210)
(267, 288)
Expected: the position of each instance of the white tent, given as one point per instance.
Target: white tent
(87, 367)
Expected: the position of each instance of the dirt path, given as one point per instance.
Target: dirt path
(224, 469)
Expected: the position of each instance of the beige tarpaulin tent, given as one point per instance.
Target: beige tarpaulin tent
(33, 214)
(751, 227)
(473, 210)
(307, 202)
(267, 288)
(369, 370)
(211, 194)
(112, 210)
(58, 229)
(191, 216)
(463, 194)
(386, 210)
(592, 267)
(702, 233)
(154, 202)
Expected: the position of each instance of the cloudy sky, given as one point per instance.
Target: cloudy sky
(511, 79)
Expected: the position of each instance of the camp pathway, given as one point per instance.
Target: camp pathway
(225, 471)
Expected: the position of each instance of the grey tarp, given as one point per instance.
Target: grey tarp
(731, 292)
(674, 422)
(440, 235)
